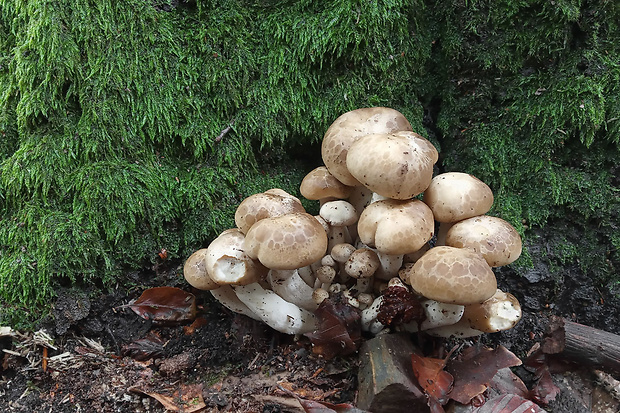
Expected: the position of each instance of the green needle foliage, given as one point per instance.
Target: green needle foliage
(131, 126)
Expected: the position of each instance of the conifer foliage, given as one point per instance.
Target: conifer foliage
(131, 126)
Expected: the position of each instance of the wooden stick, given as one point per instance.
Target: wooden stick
(582, 344)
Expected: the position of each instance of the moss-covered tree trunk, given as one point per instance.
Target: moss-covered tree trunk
(112, 116)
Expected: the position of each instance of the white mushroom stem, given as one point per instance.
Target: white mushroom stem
(307, 274)
(289, 285)
(459, 330)
(227, 297)
(444, 227)
(390, 264)
(369, 317)
(437, 315)
(274, 311)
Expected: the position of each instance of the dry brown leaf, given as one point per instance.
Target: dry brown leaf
(184, 398)
(434, 380)
(165, 305)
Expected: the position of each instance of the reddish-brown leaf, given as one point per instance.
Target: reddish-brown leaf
(339, 331)
(165, 305)
(399, 306)
(149, 347)
(544, 391)
(431, 376)
(186, 398)
(508, 403)
(476, 369)
(311, 406)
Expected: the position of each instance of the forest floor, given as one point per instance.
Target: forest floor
(104, 357)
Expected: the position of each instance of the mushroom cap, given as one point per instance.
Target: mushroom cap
(320, 184)
(452, 275)
(454, 196)
(271, 203)
(500, 312)
(286, 242)
(396, 227)
(497, 240)
(397, 165)
(362, 263)
(227, 262)
(195, 271)
(338, 213)
(350, 126)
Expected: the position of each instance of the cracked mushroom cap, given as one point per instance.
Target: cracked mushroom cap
(271, 203)
(397, 165)
(396, 227)
(497, 240)
(195, 271)
(321, 184)
(349, 127)
(454, 196)
(452, 275)
(286, 242)
(227, 262)
(500, 312)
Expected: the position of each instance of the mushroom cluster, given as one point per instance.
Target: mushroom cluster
(379, 208)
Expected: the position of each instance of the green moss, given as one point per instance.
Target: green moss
(112, 113)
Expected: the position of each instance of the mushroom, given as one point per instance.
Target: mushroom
(349, 127)
(286, 242)
(274, 311)
(338, 215)
(362, 265)
(455, 196)
(271, 203)
(497, 240)
(397, 166)
(437, 315)
(452, 275)
(227, 262)
(289, 285)
(319, 184)
(195, 271)
(396, 227)
(500, 312)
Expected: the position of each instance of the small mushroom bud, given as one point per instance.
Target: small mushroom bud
(342, 252)
(326, 276)
(362, 263)
(319, 295)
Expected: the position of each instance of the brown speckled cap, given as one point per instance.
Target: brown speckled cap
(271, 203)
(320, 184)
(286, 242)
(396, 227)
(454, 196)
(397, 166)
(497, 240)
(349, 127)
(453, 275)
(195, 271)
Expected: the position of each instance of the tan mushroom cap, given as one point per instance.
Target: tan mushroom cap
(396, 227)
(195, 271)
(227, 262)
(454, 196)
(320, 184)
(362, 263)
(271, 203)
(497, 240)
(349, 127)
(397, 166)
(452, 275)
(500, 312)
(286, 242)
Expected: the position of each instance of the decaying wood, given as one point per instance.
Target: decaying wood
(582, 344)
(386, 381)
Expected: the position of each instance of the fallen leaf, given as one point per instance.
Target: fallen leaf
(185, 398)
(475, 370)
(434, 380)
(311, 406)
(544, 391)
(508, 403)
(399, 306)
(149, 347)
(339, 329)
(165, 305)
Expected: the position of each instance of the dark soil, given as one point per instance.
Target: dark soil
(116, 361)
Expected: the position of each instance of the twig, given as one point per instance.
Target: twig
(225, 131)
